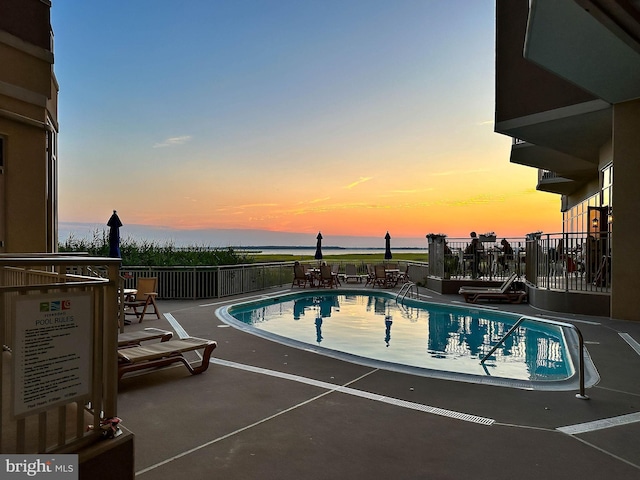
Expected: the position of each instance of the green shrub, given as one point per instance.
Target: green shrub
(152, 254)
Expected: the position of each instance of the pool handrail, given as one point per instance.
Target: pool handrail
(404, 290)
(581, 395)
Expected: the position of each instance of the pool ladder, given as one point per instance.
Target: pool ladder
(580, 395)
(405, 289)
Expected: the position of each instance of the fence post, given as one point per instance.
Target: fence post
(110, 357)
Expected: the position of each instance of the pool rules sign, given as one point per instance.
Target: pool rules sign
(52, 338)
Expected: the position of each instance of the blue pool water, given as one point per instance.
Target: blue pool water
(417, 337)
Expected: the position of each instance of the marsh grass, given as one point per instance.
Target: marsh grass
(145, 253)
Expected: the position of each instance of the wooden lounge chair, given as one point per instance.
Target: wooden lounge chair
(132, 339)
(164, 353)
(145, 295)
(503, 292)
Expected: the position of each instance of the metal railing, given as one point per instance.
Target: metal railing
(570, 261)
(59, 360)
(577, 262)
(546, 175)
(515, 326)
(183, 283)
(404, 291)
(453, 259)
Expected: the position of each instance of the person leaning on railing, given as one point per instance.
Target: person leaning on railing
(507, 254)
(473, 249)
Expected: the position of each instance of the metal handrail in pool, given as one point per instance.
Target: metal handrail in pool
(404, 290)
(580, 395)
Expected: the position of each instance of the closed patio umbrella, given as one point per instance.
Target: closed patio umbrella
(387, 248)
(114, 224)
(318, 255)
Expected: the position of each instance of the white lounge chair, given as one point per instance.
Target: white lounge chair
(473, 294)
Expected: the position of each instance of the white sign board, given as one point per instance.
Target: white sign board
(52, 339)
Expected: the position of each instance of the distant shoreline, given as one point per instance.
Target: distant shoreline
(300, 251)
(306, 247)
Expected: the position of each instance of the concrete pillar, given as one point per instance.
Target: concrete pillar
(625, 264)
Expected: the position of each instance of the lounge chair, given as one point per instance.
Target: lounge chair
(164, 353)
(146, 293)
(503, 292)
(300, 277)
(132, 339)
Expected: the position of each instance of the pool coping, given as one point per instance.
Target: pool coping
(591, 376)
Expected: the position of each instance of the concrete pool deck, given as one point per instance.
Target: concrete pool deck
(269, 411)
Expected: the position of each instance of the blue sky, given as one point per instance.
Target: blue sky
(350, 117)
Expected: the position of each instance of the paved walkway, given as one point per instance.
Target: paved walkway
(268, 411)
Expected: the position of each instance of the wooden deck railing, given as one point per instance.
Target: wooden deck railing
(59, 358)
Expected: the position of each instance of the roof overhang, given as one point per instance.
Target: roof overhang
(558, 185)
(577, 130)
(566, 166)
(591, 43)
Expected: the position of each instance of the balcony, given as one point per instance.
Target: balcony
(594, 45)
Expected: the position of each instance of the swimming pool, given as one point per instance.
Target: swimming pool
(417, 337)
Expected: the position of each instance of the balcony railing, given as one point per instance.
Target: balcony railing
(566, 262)
(455, 260)
(59, 359)
(546, 175)
(570, 261)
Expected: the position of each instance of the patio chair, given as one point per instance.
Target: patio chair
(351, 273)
(380, 278)
(403, 276)
(145, 295)
(371, 275)
(165, 353)
(503, 292)
(335, 270)
(300, 277)
(327, 278)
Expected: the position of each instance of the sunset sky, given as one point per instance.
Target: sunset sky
(352, 117)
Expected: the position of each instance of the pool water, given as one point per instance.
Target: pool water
(419, 335)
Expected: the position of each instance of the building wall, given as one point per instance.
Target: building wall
(625, 263)
(524, 89)
(28, 115)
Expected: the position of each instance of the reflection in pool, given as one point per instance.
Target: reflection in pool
(425, 336)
